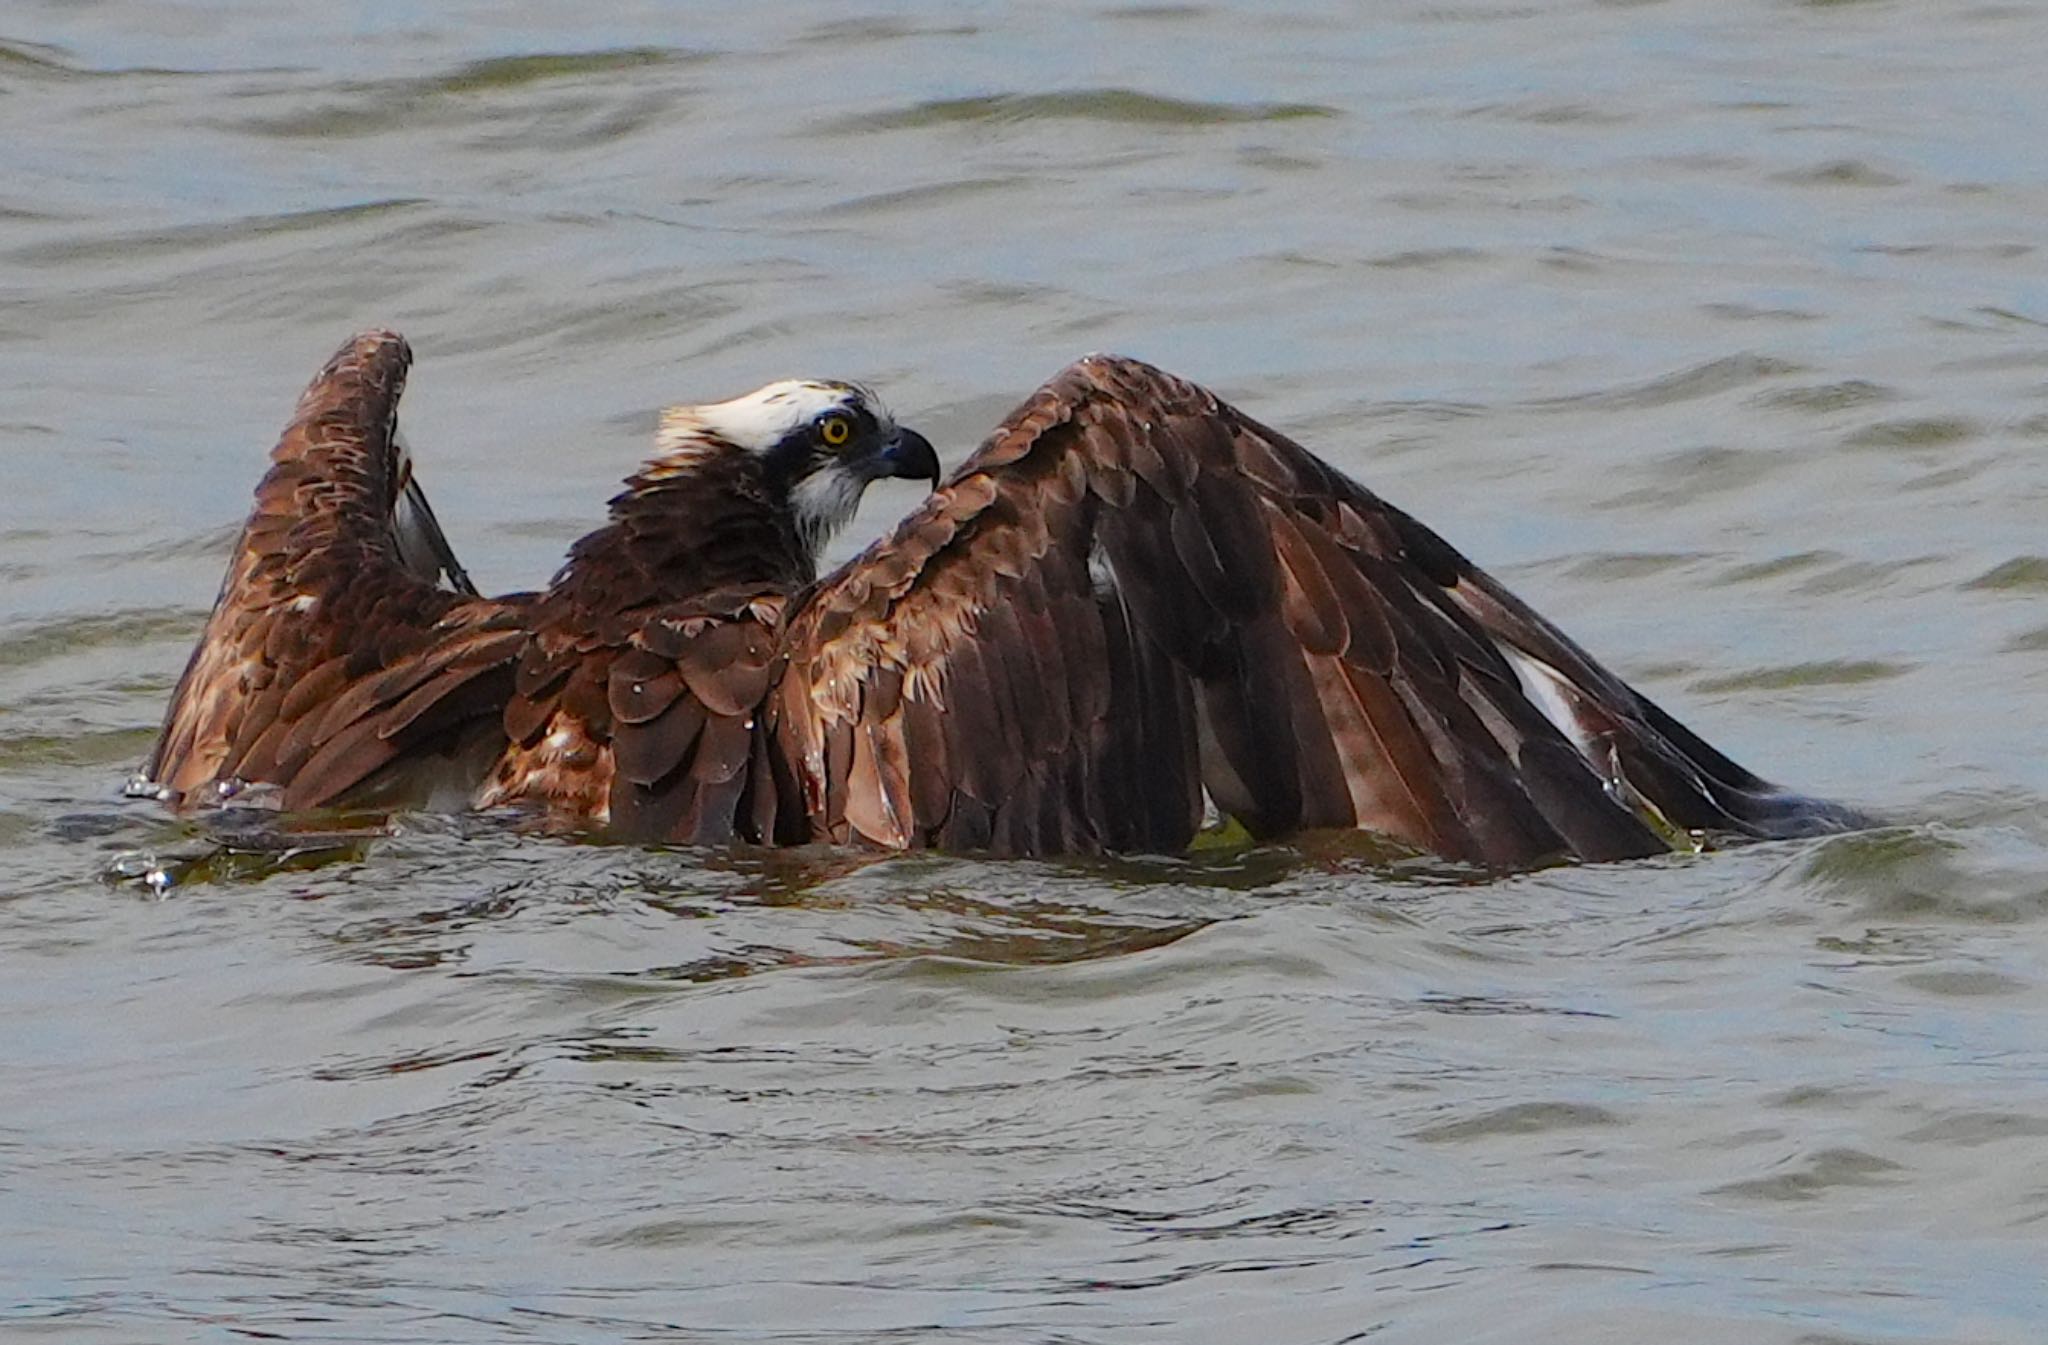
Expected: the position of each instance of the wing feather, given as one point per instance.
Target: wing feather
(644, 724)
(332, 652)
(1133, 595)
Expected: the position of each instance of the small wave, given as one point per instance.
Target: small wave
(859, 31)
(1779, 566)
(1853, 576)
(36, 58)
(457, 95)
(1549, 112)
(1923, 432)
(2007, 315)
(1983, 870)
(1970, 1129)
(1165, 13)
(1521, 1118)
(512, 72)
(926, 195)
(2021, 572)
(1700, 380)
(1838, 173)
(1429, 259)
(101, 747)
(25, 646)
(1824, 672)
(1824, 398)
(1633, 564)
(1680, 478)
(1753, 313)
(1812, 1180)
(207, 236)
(1126, 106)
(1965, 983)
(40, 59)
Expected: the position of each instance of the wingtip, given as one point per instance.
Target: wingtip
(382, 342)
(374, 362)
(371, 349)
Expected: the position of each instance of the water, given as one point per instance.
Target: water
(1715, 328)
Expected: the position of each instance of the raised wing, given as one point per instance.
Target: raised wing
(332, 651)
(1134, 594)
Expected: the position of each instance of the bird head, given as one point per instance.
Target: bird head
(819, 442)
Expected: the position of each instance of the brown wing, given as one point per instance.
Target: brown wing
(332, 654)
(1133, 593)
(647, 726)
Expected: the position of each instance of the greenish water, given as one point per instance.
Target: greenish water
(1716, 329)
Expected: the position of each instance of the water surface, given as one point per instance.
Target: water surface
(1717, 329)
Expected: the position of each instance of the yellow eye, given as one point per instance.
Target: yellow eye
(835, 430)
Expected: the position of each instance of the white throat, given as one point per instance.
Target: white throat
(823, 503)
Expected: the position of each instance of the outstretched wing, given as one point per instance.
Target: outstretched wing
(332, 650)
(1133, 594)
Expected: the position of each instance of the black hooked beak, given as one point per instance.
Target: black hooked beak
(910, 455)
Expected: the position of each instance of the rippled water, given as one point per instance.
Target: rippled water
(1714, 327)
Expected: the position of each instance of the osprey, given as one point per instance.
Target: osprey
(1133, 607)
